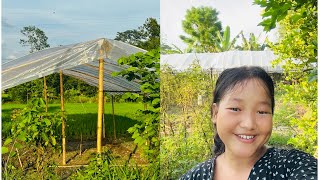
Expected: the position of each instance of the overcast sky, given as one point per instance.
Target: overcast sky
(71, 21)
(238, 14)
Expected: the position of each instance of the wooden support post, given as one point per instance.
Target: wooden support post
(63, 122)
(101, 101)
(45, 92)
(114, 122)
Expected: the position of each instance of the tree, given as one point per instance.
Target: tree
(297, 50)
(201, 25)
(252, 43)
(36, 38)
(146, 36)
(223, 43)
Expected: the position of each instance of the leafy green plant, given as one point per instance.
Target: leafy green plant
(33, 130)
(144, 68)
(225, 43)
(102, 166)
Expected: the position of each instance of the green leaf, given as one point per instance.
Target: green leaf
(156, 101)
(47, 121)
(135, 134)
(35, 134)
(4, 150)
(22, 136)
(45, 137)
(42, 103)
(13, 154)
(131, 129)
(18, 145)
(140, 141)
(295, 17)
(53, 139)
(7, 141)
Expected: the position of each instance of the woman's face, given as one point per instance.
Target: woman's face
(243, 118)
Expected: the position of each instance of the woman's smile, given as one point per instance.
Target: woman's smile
(246, 138)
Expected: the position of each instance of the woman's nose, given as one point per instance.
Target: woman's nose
(248, 121)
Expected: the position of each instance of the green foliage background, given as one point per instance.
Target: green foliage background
(297, 52)
(186, 128)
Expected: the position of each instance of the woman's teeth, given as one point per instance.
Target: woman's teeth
(245, 137)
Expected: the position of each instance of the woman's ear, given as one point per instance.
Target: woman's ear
(214, 112)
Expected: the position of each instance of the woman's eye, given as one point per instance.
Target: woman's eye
(234, 109)
(263, 112)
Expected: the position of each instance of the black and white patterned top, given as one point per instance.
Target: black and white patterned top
(274, 164)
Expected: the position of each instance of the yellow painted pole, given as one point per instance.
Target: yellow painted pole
(45, 92)
(63, 122)
(101, 101)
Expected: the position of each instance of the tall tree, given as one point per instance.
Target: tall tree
(36, 38)
(201, 25)
(146, 36)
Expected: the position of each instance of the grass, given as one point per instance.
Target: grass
(82, 118)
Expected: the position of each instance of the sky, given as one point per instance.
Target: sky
(71, 21)
(67, 22)
(238, 14)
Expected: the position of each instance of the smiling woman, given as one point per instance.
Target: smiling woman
(242, 113)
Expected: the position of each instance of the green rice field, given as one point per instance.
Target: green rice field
(82, 119)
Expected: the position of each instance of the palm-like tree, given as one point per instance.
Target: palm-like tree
(224, 43)
(252, 43)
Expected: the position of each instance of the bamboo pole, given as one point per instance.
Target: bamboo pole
(114, 122)
(63, 122)
(45, 92)
(101, 101)
(103, 125)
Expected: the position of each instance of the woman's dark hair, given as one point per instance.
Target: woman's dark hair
(228, 79)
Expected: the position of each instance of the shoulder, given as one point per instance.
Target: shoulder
(292, 163)
(201, 171)
(291, 156)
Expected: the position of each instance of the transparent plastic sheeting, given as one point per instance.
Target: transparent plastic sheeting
(217, 62)
(78, 60)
